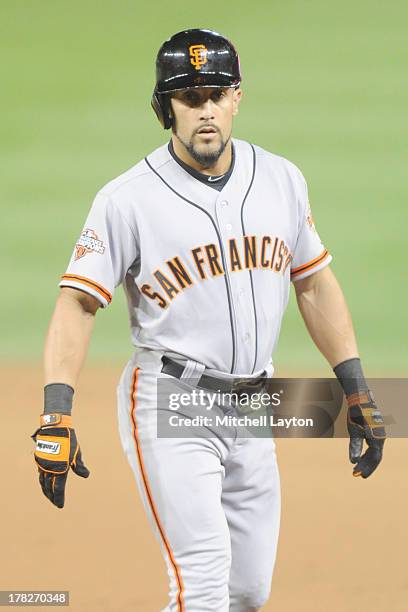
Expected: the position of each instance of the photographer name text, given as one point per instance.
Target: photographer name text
(229, 420)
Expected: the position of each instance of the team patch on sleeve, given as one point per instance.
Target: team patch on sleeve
(310, 220)
(88, 243)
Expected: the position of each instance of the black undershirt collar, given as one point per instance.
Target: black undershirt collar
(216, 182)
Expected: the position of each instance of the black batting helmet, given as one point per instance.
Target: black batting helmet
(193, 58)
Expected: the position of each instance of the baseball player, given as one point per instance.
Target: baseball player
(205, 234)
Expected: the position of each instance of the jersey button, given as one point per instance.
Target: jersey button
(224, 203)
(229, 226)
(241, 293)
(246, 338)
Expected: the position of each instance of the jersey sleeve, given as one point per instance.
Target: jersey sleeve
(103, 253)
(310, 254)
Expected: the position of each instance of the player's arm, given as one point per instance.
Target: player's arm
(57, 449)
(326, 315)
(106, 249)
(328, 320)
(68, 336)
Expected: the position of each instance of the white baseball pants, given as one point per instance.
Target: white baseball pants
(214, 503)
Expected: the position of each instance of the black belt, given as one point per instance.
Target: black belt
(242, 385)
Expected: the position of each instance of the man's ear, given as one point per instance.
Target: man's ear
(237, 95)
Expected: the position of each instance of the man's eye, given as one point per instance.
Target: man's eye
(217, 95)
(191, 98)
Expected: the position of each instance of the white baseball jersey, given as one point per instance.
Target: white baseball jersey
(206, 273)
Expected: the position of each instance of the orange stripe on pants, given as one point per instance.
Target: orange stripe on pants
(133, 395)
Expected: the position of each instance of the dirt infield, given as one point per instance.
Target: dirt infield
(343, 541)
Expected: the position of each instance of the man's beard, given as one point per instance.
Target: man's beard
(206, 159)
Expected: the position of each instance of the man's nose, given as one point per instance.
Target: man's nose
(207, 109)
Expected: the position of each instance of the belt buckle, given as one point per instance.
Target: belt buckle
(249, 385)
(239, 385)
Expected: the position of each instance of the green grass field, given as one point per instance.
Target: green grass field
(324, 84)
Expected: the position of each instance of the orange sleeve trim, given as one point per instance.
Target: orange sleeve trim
(90, 283)
(310, 264)
(176, 569)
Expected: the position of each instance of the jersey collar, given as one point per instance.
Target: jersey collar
(216, 182)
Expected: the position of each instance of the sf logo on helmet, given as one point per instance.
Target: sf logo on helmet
(198, 55)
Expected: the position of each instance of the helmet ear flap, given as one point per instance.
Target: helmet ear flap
(161, 106)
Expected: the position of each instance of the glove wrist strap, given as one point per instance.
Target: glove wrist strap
(356, 399)
(55, 420)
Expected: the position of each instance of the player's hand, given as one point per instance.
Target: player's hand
(365, 422)
(56, 451)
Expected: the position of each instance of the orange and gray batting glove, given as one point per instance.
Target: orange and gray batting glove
(364, 418)
(365, 422)
(57, 451)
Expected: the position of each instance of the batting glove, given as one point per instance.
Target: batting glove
(365, 422)
(56, 451)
